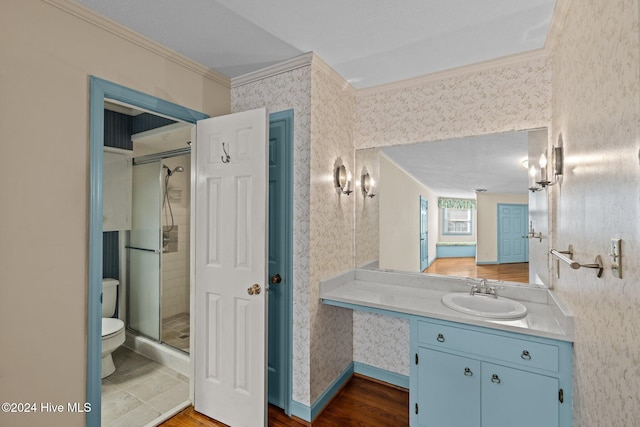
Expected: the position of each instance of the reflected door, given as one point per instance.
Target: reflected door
(144, 250)
(512, 229)
(424, 233)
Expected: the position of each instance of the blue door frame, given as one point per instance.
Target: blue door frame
(424, 233)
(280, 257)
(100, 90)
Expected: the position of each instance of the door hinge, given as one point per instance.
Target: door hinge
(416, 358)
(561, 396)
(416, 408)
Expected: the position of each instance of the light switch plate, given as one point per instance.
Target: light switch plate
(616, 257)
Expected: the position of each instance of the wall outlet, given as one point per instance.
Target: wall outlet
(616, 257)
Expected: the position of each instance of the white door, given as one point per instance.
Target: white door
(230, 268)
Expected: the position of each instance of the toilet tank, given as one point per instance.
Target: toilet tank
(109, 296)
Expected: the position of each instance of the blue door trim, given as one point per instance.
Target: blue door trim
(424, 231)
(100, 89)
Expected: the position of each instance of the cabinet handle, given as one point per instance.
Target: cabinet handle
(440, 338)
(495, 379)
(525, 355)
(468, 372)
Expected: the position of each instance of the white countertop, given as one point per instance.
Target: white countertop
(420, 295)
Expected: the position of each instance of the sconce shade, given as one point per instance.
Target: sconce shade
(558, 161)
(342, 180)
(366, 185)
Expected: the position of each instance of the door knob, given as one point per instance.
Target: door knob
(254, 289)
(276, 278)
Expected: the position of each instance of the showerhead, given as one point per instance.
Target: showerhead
(171, 172)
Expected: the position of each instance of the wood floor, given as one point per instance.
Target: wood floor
(362, 402)
(466, 267)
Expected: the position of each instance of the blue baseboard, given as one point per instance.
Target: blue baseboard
(307, 413)
(381, 374)
(304, 412)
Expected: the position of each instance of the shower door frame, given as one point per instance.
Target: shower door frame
(100, 90)
(137, 161)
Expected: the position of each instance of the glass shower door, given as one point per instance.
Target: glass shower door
(145, 250)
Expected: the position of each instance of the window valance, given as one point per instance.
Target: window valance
(448, 203)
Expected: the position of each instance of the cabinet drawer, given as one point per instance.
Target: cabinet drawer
(512, 350)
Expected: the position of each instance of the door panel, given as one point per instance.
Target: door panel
(230, 268)
(277, 365)
(512, 246)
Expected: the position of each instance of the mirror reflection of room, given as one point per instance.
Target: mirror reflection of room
(459, 207)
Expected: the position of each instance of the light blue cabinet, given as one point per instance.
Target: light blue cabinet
(463, 375)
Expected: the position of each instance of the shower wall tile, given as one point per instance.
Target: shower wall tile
(175, 262)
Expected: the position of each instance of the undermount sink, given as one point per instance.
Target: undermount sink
(482, 305)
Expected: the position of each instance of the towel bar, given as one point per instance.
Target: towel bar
(575, 264)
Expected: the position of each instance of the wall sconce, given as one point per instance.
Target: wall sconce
(557, 170)
(367, 185)
(342, 180)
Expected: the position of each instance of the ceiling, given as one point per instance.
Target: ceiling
(368, 42)
(457, 167)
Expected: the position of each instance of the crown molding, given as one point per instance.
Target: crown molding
(456, 72)
(322, 66)
(300, 61)
(114, 28)
(305, 60)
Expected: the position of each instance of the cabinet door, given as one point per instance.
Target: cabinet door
(511, 397)
(448, 390)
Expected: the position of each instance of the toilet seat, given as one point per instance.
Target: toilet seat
(111, 326)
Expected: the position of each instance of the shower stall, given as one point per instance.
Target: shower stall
(159, 248)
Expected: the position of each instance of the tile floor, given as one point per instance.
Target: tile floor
(140, 390)
(175, 331)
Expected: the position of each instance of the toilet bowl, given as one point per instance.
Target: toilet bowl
(113, 334)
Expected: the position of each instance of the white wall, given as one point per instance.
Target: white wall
(596, 109)
(399, 204)
(47, 56)
(539, 215)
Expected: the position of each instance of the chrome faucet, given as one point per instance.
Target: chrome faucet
(483, 289)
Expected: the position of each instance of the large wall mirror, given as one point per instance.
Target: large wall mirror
(460, 207)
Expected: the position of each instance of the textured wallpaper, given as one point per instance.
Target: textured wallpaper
(495, 100)
(331, 231)
(596, 108)
(500, 99)
(292, 90)
(367, 209)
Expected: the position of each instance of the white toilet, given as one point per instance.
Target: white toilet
(112, 329)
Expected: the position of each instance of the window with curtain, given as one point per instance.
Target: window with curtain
(456, 221)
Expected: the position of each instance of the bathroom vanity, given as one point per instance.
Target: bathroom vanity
(468, 370)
